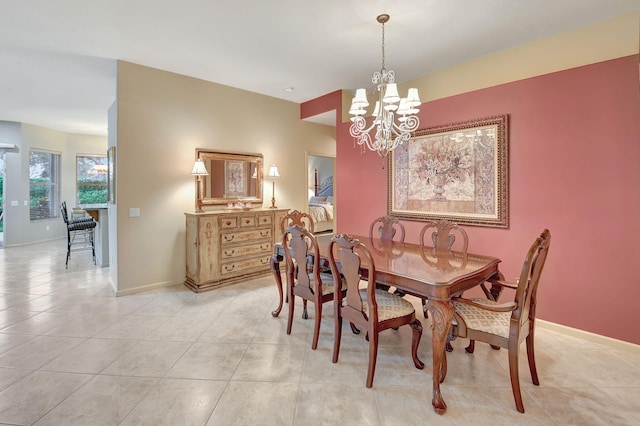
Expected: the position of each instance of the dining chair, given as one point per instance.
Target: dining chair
(296, 217)
(82, 228)
(304, 278)
(387, 228)
(443, 235)
(507, 324)
(368, 308)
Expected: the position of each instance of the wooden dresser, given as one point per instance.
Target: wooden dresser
(224, 247)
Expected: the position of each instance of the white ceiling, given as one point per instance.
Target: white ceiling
(57, 57)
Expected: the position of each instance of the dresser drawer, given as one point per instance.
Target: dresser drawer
(264, 220)
(239, 266)
(229, 222)
(241, 236)
(247, 221)
(249, 250)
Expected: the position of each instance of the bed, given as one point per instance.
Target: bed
(321, 204)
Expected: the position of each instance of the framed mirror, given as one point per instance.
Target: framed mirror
(232, 177)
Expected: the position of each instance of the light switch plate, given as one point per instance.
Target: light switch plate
(134, 212)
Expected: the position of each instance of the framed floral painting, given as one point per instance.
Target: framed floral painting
(457, 172)
(236, 177)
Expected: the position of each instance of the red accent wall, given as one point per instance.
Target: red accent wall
(574, 168)
(325, 103)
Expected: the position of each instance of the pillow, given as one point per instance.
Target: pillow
(330, 199)
(317, 200)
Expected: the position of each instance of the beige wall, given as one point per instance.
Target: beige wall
(161, 119)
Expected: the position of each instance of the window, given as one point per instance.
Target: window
(91, 179)
(44, 185)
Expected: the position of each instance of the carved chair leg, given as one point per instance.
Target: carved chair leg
(471, 347)
(291, 308)
(450, 338)
(373, 356)
(316, 328)
(532, 359)
(513, 372)
(337, 337)
(416, 326)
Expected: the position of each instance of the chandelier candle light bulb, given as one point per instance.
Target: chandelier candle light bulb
(394, 121)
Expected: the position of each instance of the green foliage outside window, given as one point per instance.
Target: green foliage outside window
(39, 201)
(92, 191)
(91, 179)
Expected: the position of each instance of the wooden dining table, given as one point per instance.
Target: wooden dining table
(423, 272)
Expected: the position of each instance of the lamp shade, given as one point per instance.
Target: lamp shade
(391, 94)
(413, 98)
(199, 169)
(361, 98)
(273, 171)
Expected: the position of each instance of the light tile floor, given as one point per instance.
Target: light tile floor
(73, 354)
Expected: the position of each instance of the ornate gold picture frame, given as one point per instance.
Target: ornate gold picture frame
(457, 172)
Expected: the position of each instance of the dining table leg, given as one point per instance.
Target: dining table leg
(275, 270)
(441, 317)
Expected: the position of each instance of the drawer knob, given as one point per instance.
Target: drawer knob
(229, 237)
(247, 221)
(264, 233)
(264, 261)
(229, 269)
(229, 253)
(228, 222)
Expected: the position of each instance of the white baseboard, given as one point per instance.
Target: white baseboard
(591, 337)
(143, 288)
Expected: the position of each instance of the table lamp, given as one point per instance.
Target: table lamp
(198, 171)
(273, 174)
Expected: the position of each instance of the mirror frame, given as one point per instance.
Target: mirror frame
(207, 155)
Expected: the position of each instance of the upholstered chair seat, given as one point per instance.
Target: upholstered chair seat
(389, 305)
(496, 323)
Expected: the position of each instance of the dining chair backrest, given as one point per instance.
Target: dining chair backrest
(444, 235)
(63, 211)
(296, 217)
(72, 221)
(387, 228)
(350, 255)
(304, 277)
(299, 244)
(525, 297)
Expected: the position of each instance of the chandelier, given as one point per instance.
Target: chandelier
(394, 118)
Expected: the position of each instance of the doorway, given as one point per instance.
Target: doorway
(321, 192)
